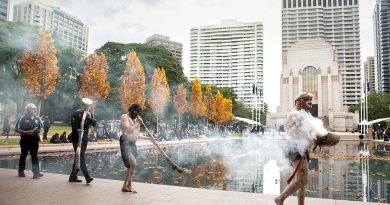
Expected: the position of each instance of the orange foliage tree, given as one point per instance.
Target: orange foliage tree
(218, 109)
(160, 92)
(228, 110)
(39, 67)
(180, 100)
(197, 107)
(93, 82)
(132, 90)
(222, 109)
(208, 102)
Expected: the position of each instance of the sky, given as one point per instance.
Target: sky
(132, 21)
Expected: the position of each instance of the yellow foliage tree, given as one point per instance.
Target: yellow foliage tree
(160, 91)
(93, 82)
(228, 110)
(132, 90)
(218, 108)
(39, 67)
(197, 107)
(208, 102)
(180, 99)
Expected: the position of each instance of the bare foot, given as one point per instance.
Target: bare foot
(125, 189)
(278, 201)
(131, 189)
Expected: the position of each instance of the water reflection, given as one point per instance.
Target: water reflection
(349, 171)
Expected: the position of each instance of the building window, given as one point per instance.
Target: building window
(309, 3)
(299, 3)
(350, 2)
(289, 3)
(315, 3)
(345, 2)
(310, 81)
(295, 3)
(320, 2)
(334, 2)
(329, 3)
(340, 3)
(356, 2)
(284, 3)
(304, 3)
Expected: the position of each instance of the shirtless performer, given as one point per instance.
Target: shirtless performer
(130, 124)
(302, 136)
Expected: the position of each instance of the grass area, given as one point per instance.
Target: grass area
(15, 141)
(236, 134)
(59, 128)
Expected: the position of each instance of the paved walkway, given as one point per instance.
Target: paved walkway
(54, 189)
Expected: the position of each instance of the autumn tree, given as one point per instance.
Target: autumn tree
(132, 90)
(197, 107)
(180, 100)
(208, 102)
(227, 110)
(93, 82)
(218, 108)
(39, 67)
(159, 92)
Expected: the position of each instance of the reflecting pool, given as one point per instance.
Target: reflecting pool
(349, 171)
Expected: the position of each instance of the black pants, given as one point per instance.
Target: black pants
(32, 146)
(83, 166)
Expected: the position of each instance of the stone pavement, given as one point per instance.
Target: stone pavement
(54, 189)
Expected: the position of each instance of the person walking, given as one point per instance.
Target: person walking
(30, 128)
(302, 135)
(130, 125)
(6, 126)
(75, 135)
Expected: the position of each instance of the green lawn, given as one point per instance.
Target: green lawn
(54, 128)
(59, 128)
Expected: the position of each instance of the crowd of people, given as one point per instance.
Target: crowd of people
(381, 134)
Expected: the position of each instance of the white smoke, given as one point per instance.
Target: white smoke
(302, 130)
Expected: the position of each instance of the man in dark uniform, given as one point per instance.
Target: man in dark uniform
(76, 125)
(30, 128)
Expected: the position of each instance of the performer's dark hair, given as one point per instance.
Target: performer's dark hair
(135, 106)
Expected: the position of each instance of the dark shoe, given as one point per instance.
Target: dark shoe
(75, 180)
(37, 176)
(89, 180)
(21, 174)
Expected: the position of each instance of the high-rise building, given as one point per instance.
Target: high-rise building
(382, 45)
(369, 74)
(174, 47)
(230, 55)
(4, 10)
(337, 22)
(43, 14)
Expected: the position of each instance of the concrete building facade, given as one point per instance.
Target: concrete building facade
(311, 66)
(382, 45)
(230, 55)
(369, 73)
(174, 47)
(4, 10)
(336, 21)
(43, 14)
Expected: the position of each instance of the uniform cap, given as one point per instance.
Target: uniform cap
(86, 101)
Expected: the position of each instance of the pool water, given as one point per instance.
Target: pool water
(349, 171)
